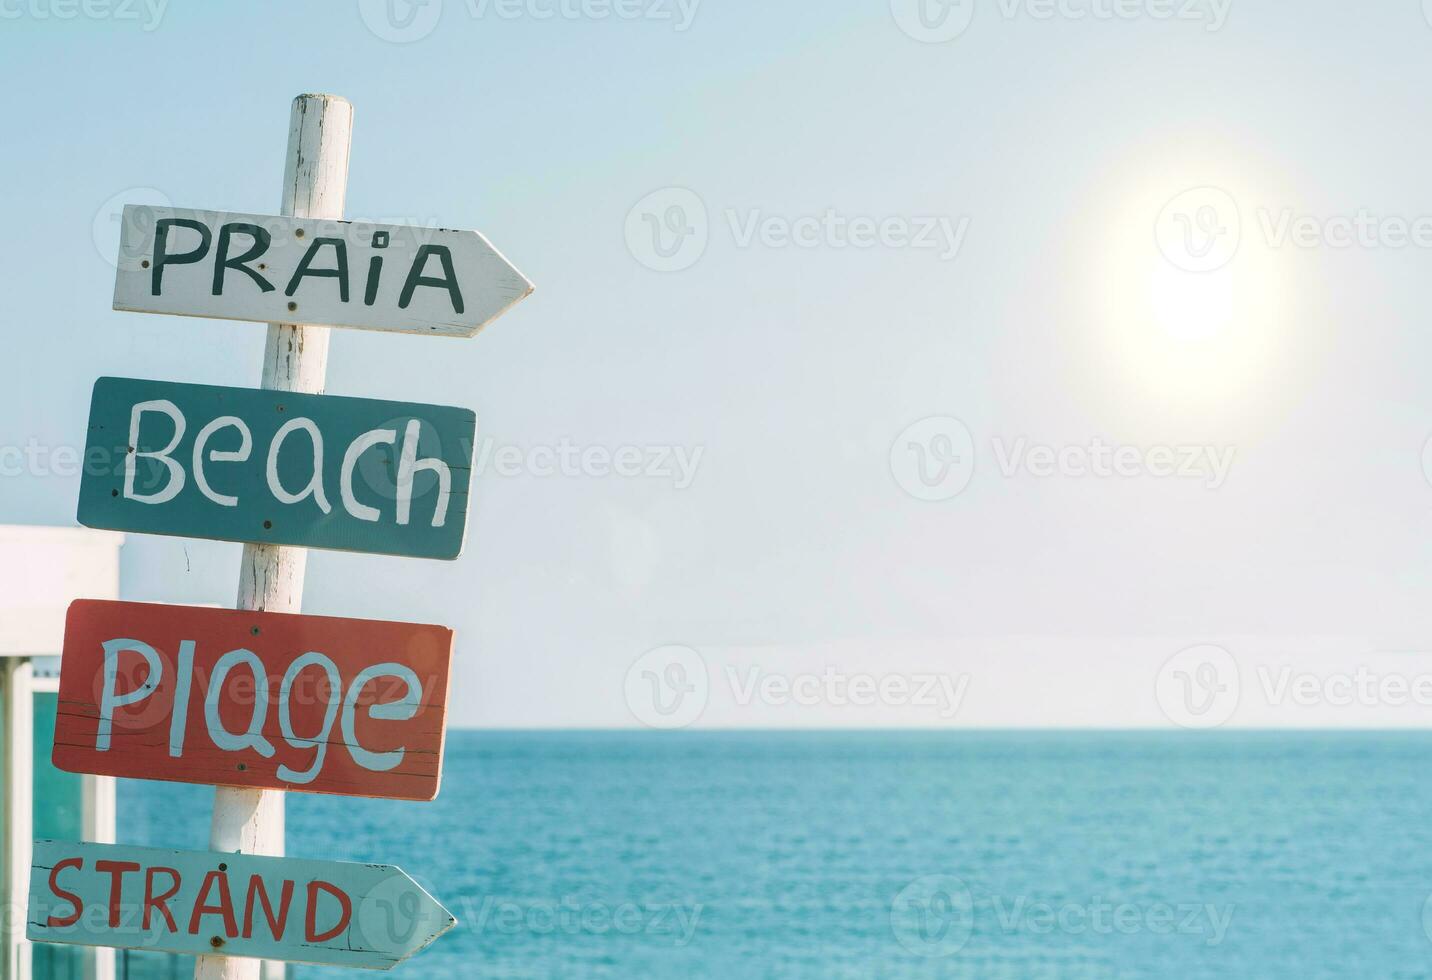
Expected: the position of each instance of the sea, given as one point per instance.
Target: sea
(890, 854)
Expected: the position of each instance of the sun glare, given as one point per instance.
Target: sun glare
(1190, 301)
(1191, 308)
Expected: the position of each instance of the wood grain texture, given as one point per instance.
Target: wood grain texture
(367, 916)
(260, 700)
(240, 266)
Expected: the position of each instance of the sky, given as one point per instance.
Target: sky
(1008, 363)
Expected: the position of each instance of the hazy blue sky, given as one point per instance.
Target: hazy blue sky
(1058, 164)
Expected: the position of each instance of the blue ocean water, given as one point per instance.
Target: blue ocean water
(831, 855)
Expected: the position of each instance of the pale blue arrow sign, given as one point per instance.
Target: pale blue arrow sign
(369, 916)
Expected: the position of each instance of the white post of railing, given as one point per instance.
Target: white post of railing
(17, 801)
(315, 182)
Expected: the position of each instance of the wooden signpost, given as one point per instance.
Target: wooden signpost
(241, 464)
(260, 700)
(370, 916)
(336, 273)
(228, 697)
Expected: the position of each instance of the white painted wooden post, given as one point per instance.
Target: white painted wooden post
(17, 803)
(315, 182)
(97, 815)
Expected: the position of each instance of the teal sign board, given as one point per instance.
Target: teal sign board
(369, 916)
(276, 467)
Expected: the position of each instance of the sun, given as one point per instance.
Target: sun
(1191, 309)
(1190, 305)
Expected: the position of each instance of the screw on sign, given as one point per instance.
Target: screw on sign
(369, 916)
(272, 700)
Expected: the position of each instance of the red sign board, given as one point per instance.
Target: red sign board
(311, 703)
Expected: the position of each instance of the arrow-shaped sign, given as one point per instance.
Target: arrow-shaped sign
(369, 916)
(312, 271)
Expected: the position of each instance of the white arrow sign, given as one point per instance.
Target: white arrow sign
(272, 269)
